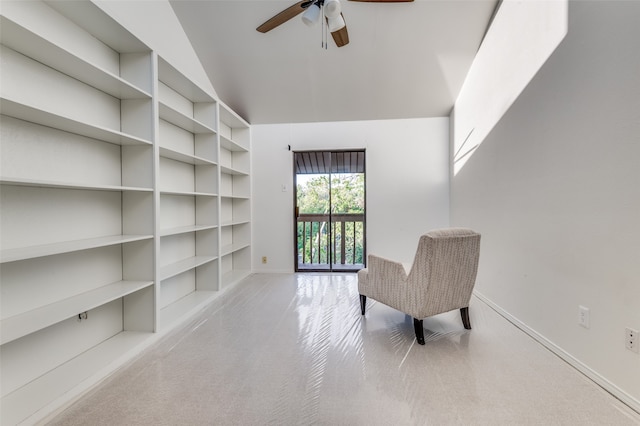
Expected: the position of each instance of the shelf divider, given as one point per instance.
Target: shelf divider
(25, 323)
(51, 119)
(181, 266)
(23, 253)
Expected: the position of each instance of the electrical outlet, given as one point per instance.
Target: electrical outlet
(583, 316)
(631, 339)
(264, 259)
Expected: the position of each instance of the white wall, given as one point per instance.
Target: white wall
(521, 37)
(555, 191)
(407, 182)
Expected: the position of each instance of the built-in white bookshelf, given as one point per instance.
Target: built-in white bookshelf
(235, 197)
(188, 184)
(124, 201)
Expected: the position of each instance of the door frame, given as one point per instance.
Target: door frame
(330, 231)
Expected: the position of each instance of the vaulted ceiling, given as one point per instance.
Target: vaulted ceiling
(404, 60)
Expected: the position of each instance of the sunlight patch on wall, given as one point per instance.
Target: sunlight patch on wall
(463, 153)
(521, 38)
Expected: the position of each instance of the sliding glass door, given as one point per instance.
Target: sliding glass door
(330, 210)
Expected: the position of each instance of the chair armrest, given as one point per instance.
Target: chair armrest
(386, 281)
(385, 269)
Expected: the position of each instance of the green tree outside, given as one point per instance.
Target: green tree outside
(347, 197)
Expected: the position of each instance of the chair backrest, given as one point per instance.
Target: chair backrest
(444, 270)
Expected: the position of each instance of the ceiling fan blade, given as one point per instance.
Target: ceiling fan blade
(284, 16)
(341, 36)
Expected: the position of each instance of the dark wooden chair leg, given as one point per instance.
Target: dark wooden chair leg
(363, 303)
(417, 325)
(464, 313)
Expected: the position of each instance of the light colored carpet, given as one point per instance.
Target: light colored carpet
(293, 349)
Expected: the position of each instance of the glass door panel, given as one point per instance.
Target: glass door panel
(312, 219)
(330, 210)
(347, 221)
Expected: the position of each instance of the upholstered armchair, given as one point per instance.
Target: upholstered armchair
(441, 278)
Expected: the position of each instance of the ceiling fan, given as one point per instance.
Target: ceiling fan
(313, 9)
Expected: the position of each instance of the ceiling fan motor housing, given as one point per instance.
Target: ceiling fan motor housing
(332, 8)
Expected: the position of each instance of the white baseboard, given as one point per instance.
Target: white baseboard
(601, 381)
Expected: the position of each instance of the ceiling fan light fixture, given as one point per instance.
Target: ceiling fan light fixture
(311, 16)
(336, 24)
(332, 8)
